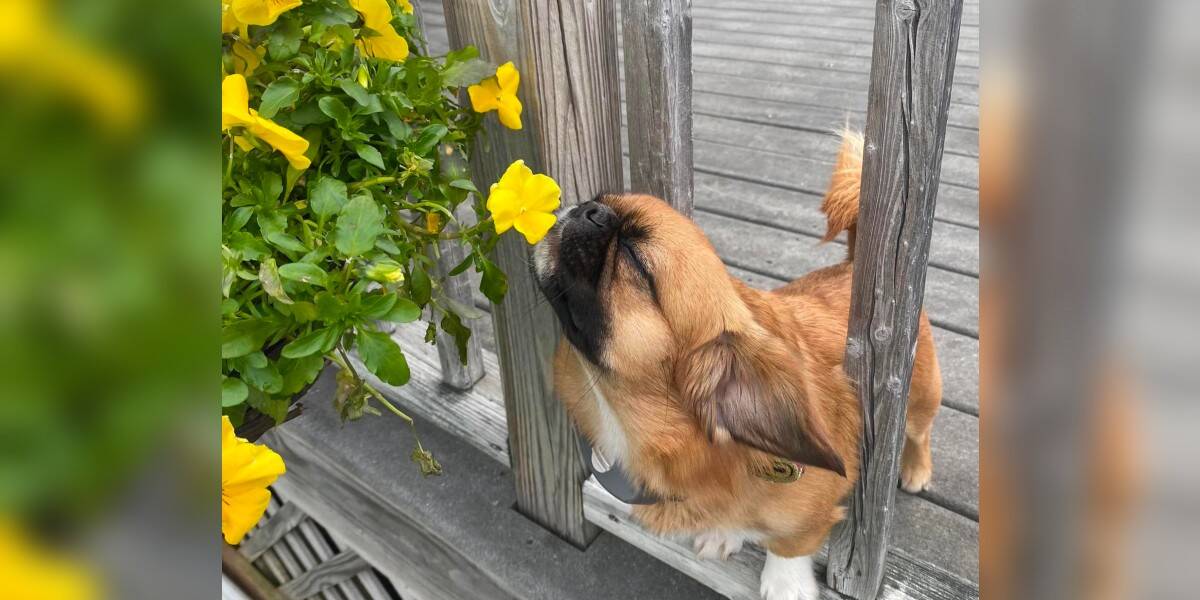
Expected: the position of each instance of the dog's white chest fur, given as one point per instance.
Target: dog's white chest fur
(610, 441)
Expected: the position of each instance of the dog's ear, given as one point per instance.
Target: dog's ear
(750, 388)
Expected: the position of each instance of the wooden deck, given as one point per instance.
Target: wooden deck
(772, 79)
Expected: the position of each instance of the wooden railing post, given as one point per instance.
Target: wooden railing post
(658, 98)
(912, 70)
(455, 373)
(567, 56)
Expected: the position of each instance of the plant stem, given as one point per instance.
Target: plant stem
(366, 183)
(344, 362)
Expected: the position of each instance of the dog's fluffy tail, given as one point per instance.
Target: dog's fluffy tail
(841, 200)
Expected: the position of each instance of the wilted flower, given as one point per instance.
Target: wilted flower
(525, 201)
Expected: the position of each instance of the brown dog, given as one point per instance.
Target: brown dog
(696, 384)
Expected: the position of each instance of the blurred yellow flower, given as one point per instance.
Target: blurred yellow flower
(385, 271)
(381, 41)
(405, 6)
(238, 15)
(37, 54)
(499, 93)
(32, 572)
(246, 471)
(236, 112)
(525, 201)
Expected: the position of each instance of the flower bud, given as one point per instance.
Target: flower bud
(385, 271)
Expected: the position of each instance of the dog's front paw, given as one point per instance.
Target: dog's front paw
(714, 545)
(788, 579)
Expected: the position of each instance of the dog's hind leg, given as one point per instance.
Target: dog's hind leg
(924, 399)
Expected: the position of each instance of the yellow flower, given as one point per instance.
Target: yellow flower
(525, 201)
(246, 471)
(382, 41)
(32, 571)
(238, 15)
(236, 112)
(386, 271)
(405, 6)
(499, 93)
(433, 222)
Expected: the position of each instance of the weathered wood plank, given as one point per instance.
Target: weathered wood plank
(831, 21)
(568, 60)
(738, 577)
(825, 48)
(781, 30)
(658, 62)
(906, 121)
(323, 552)
(700, 47)
(951, 299)
(956, 248)
(333, 571)
(423, 565)
(246, 576)
(294, 543)
(271, 532)
(857, 8)
(476, 415)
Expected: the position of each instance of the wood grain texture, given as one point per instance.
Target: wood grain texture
(271, 532)
(738, 577)
(658, 98)
(911, 79)
(246, 576)
(423, 564)
(323, 551)
(566, 53)
(333, 571)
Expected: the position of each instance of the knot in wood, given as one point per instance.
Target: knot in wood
(894, 385)
(854, 348)
(883, 333)
(904, 10)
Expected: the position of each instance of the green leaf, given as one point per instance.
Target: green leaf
(273, 225)
(309, 343)
(284, 41)
(336, 110)
(243, 337)
(396, 126)
(330, 307)
(452, 325)
(377, 306)
(358, 92)
(464, 184)
(358, 224)
(404, 311)
(430, 136)
(304, 273)
(268, 276)
(299, 372)
(233, 391)
(464, 67)
(368, 153)
(327, 196)
(493, 283)
(383, 357)
(282, 92)
(265, 378)
(419, 286)
(274, 407)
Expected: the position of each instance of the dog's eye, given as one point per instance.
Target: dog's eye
(639, 267)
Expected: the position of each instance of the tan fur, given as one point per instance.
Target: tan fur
(665, 361)
(841, 199)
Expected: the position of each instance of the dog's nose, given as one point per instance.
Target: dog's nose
(599, 215)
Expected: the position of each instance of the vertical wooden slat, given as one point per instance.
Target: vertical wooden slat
(566, 53)
(911, 73)
(658, 98)
(447, 255)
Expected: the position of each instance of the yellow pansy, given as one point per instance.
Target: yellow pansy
(405, 6)
(246, 471)
(499, 93)
(525, 201)
(238, 15)
(381, 41)
(236, 112)
(31, 570)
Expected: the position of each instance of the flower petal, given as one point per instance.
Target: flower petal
(235, 102)
(509, 78)
(375, 13)
(246, 471)
(534, 225)
(261, 12)
(485, 96)
(387, 45)
(504, 204)
(541, 194)
(290, 144)
(510, 112)
(515, 176)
